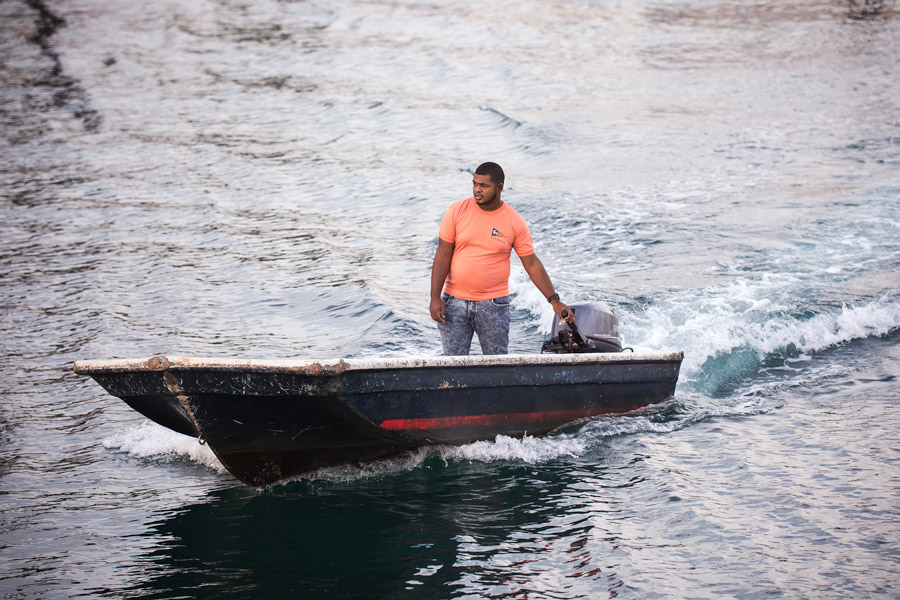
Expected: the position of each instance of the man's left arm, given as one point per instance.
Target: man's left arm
(538, 274)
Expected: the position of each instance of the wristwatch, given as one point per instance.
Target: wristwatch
(552, 298)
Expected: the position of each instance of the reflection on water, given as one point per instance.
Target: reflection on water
(461, 528)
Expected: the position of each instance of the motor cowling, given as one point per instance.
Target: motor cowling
(596, 330)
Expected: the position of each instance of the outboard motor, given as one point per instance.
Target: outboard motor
(596, 329)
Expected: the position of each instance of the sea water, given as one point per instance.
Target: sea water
(266, 179)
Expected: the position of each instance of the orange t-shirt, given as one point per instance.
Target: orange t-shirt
(483, 240)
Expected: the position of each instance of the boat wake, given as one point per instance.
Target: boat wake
(741, 346)
(150, 441)
(528, 449)
(573, 442)
(155, 442)
(733, 335)
(504, 449)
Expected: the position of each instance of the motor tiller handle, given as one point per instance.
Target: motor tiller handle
(575, 334)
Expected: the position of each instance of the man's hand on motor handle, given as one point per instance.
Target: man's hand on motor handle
(564, 312)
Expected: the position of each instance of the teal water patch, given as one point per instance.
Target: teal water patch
(722, 375)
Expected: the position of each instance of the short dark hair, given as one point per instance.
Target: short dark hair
(492, 170)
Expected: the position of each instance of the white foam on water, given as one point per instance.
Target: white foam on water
(151, 441)
(765, 314)
(154, 442)
(530, 450)
(580, 439)
(705, 323)
(758, 316)
(527, 449)
(530, 299)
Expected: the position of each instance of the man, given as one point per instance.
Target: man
(471, 266)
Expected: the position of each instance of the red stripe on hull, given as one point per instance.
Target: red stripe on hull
(554, 416)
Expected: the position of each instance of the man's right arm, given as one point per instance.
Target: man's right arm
(439, 271)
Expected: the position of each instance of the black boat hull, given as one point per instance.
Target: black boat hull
(270, 420)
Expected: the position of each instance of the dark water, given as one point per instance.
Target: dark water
(265, 180)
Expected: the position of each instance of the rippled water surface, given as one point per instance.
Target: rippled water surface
(265, 180)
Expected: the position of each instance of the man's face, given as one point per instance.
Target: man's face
(485, 190)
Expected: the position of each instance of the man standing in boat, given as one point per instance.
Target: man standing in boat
(470, 273)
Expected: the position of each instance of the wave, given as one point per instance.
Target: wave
(575, 441)
(732, 332)
(730, 336)
(735, 332)
(151, 441)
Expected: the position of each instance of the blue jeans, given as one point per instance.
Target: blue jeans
(488, 318)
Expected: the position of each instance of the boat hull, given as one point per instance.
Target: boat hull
(271, 420)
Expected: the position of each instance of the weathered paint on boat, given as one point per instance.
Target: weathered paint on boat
(274, 419)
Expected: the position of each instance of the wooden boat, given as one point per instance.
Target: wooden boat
(267, 421)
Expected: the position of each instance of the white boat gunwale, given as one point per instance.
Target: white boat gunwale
(339, 366)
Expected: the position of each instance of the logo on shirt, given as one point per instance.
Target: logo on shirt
(496, 233)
